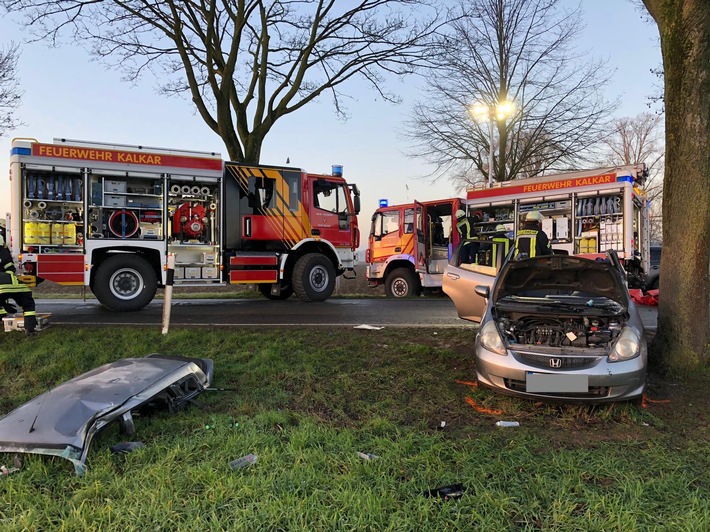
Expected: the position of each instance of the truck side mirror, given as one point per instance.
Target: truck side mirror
(356, 203)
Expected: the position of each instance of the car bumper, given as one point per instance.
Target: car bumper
(605, 381)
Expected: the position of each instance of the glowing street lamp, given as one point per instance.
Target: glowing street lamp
(490, 113)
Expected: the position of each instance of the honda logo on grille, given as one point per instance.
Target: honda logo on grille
(555, 362)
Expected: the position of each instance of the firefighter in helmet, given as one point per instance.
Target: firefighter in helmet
(467, 231)
(532, 240)
(501, 243)
(12, 288)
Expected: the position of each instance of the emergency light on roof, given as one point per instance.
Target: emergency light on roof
(384, 203)
(338, 170)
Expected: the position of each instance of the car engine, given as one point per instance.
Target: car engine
(560, 332)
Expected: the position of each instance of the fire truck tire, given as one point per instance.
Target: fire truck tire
(125, 283)
(313, 278)
(286, 292)
(401, 282)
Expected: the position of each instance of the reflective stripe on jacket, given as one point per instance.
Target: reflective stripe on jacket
(6, 260)
(526, 242)
(463, 226)
(499, 242)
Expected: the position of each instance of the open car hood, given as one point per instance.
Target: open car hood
(561, 274)
(63, 420)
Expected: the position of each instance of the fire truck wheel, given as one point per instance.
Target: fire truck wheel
(124, 283)
(401, 282)
(313, 278)
(286, 292)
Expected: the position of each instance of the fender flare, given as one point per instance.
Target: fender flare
(332, 248)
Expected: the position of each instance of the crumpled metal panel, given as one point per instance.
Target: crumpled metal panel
(63, 420)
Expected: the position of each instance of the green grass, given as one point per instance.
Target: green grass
(305, 403)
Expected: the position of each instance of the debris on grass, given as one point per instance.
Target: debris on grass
(243, 461)
(367, 456)
(5, 471)
(127, 447)
(454, 491)
(368, 327)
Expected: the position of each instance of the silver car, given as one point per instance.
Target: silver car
(553, 328)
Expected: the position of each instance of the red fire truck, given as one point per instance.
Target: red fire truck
(584, 213)
(409, 245)
(107, 216)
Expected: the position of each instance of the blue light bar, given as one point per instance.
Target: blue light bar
(627, 178)
(384, 203)
(20, 151)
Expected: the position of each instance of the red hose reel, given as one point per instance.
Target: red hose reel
(123, 223)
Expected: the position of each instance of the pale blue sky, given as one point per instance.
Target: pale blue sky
(67, 95)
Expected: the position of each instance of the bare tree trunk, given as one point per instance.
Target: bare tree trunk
(683, 337)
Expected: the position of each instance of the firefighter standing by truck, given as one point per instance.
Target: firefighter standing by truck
(532, 240)
(466, 230)
(12, 288)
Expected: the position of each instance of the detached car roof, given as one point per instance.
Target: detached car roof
(566, 273)
(63, 420)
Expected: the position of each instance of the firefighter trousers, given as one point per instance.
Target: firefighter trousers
(25, 300)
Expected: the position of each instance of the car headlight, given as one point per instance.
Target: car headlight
(626, 347)
(490, 338)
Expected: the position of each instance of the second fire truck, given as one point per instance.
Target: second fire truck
(584, 213)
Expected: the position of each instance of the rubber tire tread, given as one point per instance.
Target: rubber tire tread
(408, 276)
(102, 291)
(301, 275)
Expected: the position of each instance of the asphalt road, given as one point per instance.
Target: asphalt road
(419, 312)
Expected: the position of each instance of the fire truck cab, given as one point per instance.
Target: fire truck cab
(410, 244)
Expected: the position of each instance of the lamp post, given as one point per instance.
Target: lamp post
(490, 113)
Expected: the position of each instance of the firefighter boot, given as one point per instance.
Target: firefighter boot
(30, 323)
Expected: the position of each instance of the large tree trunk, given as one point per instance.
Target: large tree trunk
(683, 335)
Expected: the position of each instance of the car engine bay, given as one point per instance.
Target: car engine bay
(558, 331)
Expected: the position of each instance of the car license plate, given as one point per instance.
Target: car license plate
(555, 383)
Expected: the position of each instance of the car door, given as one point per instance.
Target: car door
(460, 281)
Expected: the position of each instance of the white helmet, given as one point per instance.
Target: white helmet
(460, 214)
(500, 228)
(534, 216)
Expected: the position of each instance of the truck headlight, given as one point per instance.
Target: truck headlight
(490, 339)
(626, 346)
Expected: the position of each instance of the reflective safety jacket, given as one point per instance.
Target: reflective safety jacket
(9, 283)
(500, 244)
(533, 242)
(463, 226)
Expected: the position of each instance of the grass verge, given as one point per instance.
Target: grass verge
(306, 403)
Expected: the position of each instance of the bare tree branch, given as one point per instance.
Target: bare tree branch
(244, 63)
(10, 93)
(640, 140)
(521, 50)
